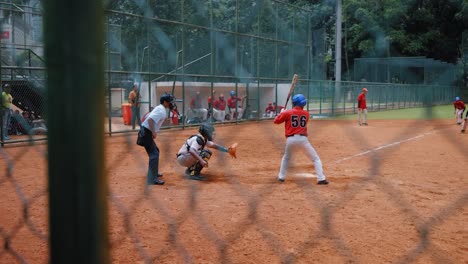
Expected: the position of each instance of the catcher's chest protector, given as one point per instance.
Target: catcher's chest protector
(200, 140)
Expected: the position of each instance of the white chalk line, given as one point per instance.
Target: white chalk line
(309, 175)
(384, 147)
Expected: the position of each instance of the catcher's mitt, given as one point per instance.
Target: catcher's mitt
(232, 150)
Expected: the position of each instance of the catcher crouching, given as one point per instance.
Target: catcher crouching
(195, 156)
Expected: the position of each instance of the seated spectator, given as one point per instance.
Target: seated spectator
(29, 126)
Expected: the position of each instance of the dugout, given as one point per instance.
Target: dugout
(259, 94)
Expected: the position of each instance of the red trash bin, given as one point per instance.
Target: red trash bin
(127, 113)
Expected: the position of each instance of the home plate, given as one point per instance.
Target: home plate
(306, 175)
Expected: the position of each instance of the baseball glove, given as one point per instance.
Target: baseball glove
(232, 150)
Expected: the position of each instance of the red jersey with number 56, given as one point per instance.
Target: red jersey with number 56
(295, 121)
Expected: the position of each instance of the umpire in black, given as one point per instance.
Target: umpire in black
(147, 135)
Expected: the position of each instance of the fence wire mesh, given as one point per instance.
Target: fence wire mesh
(390, 198)
(396, 194)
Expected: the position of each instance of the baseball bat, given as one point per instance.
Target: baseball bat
(291, 89)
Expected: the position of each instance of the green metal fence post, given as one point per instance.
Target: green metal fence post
(109, 68)
(320, 98)
(333, 85)
(379, 99)
(308, 95)
(404, 96)
(77, 179)
(344, 98)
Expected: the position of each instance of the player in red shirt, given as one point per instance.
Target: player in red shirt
(295, 123)
(270, 110)
(459, 106)
(219, 108)
(175, 115)
(234, 110)
(278, 108)
(362, 107)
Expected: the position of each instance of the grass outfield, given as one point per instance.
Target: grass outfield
(435, 112)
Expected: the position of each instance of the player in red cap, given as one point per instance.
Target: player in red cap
(219, 108)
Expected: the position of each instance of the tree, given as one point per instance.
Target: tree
(381, 28)
(433, 29)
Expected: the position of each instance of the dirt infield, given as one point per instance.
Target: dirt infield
(397, 194)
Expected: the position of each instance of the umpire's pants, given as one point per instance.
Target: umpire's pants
(153, 154)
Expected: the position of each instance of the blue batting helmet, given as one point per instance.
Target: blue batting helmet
(457, 98)
(299, 100)
(232, 93)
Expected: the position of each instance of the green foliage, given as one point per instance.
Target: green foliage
(411, 28)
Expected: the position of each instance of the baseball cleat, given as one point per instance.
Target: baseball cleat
(365, 124)
(463, 130)
(158, 182)
(280, 180)
(197, 177)
(322, 182)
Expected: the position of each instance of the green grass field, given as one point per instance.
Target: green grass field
(435, 112)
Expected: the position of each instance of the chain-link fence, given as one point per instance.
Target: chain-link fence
(395, 192)
(22, 69)
(408, 70)
(326, 98)
(372, 210)
(182, 50)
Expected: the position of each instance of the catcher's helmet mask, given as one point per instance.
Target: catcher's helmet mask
(299, 100)
(206, 130)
